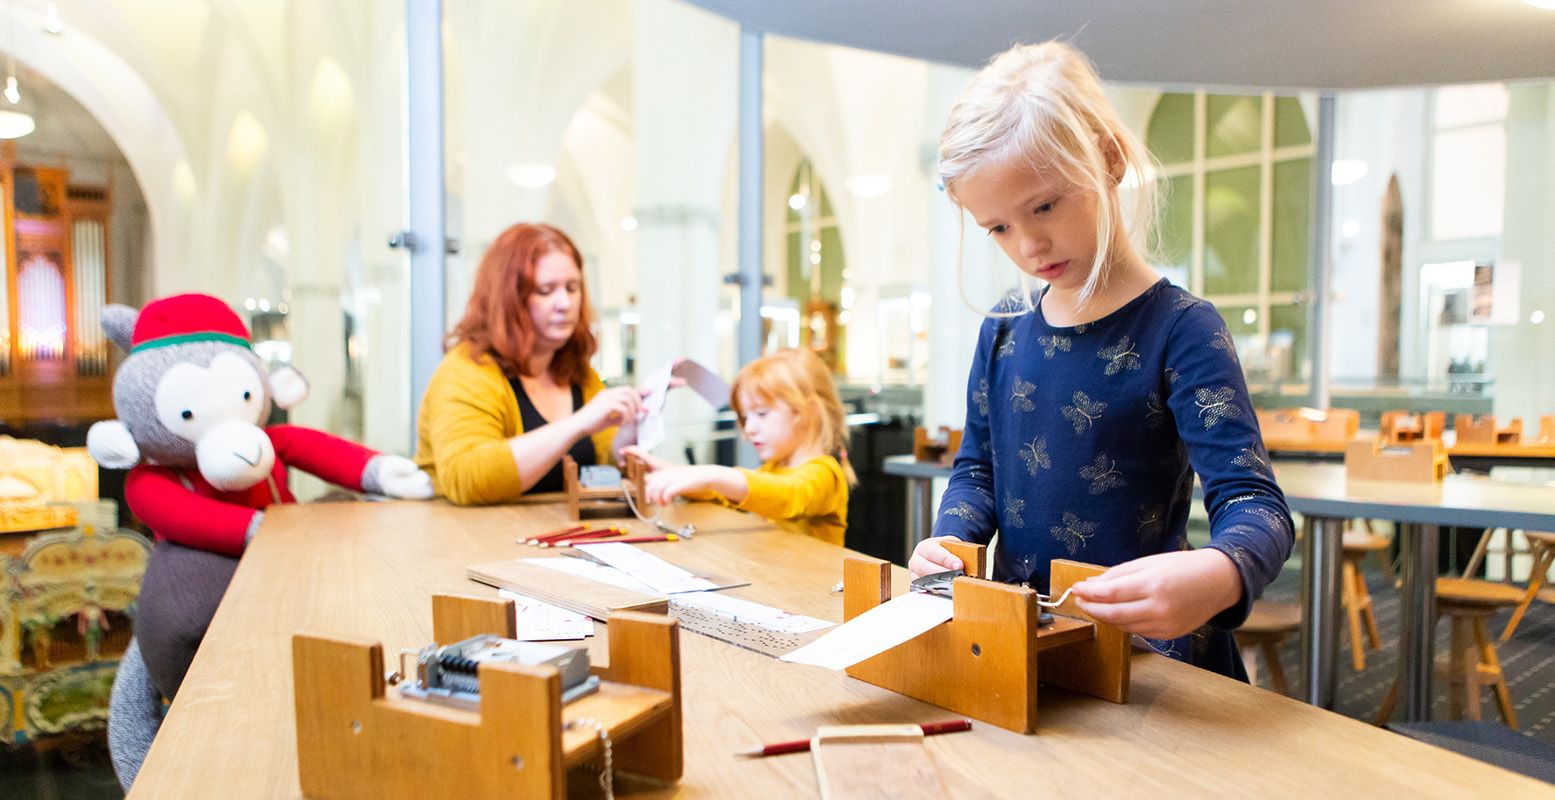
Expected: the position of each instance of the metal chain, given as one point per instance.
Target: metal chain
(607, 770)
(685, 531)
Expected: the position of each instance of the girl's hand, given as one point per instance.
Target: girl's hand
(1163, 596)
(664, 485)
(930, 556)
(651, 461)
(611, 407)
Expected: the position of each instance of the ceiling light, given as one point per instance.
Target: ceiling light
(628, 224)
(1547, 5)
(796, 201)
(12, 93)
(15, 124)
(531, 175)
(868, 184)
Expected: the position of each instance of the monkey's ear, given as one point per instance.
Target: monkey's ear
(119, 324)
(288, 388)
(111, 445)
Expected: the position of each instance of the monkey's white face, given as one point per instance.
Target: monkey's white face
(218, 408)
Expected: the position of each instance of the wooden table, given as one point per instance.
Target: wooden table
(367, 570)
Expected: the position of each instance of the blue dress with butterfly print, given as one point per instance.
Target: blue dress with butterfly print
(1082, 442)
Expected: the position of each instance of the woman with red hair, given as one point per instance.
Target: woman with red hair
(515, 392)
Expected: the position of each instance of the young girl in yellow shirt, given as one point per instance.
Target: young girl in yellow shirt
(788, 408)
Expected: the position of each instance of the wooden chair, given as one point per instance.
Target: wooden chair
(1354, 596)
(1266, 628)
(1472, 662)
(1542, 544)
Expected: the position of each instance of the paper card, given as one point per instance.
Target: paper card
(875, 631)
(539, 621)
(700, 379)
(662, 576)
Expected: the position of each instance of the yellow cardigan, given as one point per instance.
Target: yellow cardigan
(467, 417)
(811, 498)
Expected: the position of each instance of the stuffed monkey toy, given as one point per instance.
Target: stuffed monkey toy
(192, 400)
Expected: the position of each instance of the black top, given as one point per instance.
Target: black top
(582, 450)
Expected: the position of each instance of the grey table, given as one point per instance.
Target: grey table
(1322, 494)
(920, 477)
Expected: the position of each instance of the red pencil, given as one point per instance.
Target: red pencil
(540, 537)
(596, 533)
(668, 537)
(803, 745)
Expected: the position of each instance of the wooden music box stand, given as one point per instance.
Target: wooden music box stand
(357, 742)
(609, 500)
(1367, 459)
(1484, 430)
(985, 662)
(1403, 427)
(940, 448)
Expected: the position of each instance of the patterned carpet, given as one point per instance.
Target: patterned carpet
(1528, 660)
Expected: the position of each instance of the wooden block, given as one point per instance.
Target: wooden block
(1433, 424)
(456, 618)
(1365, 459)
(875, 761)
(1098, 667)
(645, 652)
(574, 593)
(974, 557)
(1547, 429)
(866, 583)
(570, 482)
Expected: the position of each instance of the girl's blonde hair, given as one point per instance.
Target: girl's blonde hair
(799, 378)
(1043, 103)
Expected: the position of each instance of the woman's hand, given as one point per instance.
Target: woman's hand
(611, 407)
(1163, 596)
(930, 556)
(651, 461)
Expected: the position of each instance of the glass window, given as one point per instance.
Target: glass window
(1171, 129)
(1292, 225)
(1231, 231)
(1290, 123)
(1235, 125)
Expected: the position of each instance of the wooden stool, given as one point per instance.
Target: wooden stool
(1356, 599)
(1471, 661)
(1266, 627)
(1543, 547)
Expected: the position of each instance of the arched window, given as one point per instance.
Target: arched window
(1236, 217)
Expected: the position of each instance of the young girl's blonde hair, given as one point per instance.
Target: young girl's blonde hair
(799, 378)
(1043, 103)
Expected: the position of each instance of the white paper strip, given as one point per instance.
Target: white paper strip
(875, 631)
(662, 576)
(539, 621)
(745, 611)
(594, 572)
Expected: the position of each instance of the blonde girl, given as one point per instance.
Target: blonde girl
(788, 409)
(1092, 402)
